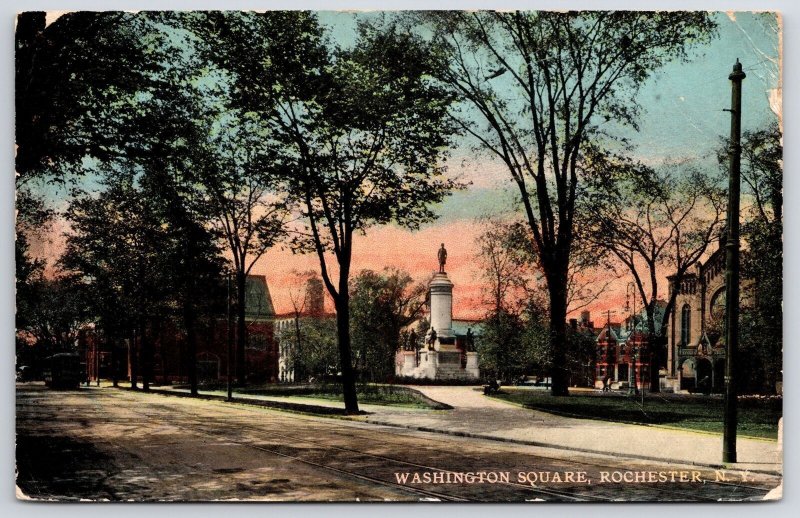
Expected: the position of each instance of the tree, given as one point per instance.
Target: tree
(381, 306)
(239, 190)
(762, 260)
(514, 326)
(535, 88)
(72, 78)
(57, 312)
(120, 248)
(312, 350)
(507, 266)
(364, 149)
(649, 220)
(32, 219)
(229, 153)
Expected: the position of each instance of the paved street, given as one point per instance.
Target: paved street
(103, 443)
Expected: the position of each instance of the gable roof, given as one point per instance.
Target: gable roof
(258, 301)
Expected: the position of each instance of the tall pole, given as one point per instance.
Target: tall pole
(632, 386)
(732, 268)
(229, 330)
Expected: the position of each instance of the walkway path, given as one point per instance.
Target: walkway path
(476, 415)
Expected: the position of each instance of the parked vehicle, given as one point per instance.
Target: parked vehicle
(63, 371)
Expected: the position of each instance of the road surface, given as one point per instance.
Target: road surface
(111, 444)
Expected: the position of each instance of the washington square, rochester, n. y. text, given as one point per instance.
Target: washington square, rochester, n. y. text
(399, 256)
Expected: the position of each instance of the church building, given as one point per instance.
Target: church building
(696, 343)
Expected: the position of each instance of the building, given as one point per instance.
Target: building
(623, 353)
(170, 347)
(288, 325)
(695, 347)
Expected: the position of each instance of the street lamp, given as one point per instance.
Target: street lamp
(630, 294)
(229, 330)
(732, 268)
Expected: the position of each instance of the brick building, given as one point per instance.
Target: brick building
(170, 348)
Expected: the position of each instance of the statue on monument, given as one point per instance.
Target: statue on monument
(431, 338)
(442, 258)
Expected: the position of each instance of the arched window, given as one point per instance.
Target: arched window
(686, 324)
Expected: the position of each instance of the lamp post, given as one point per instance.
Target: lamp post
(630, 291)
(229, 330)
(732, 268)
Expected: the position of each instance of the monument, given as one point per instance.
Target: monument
(443, 354)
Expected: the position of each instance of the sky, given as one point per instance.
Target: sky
(683, 119)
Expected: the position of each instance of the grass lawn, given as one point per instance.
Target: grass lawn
(370, 394)
(758, 417)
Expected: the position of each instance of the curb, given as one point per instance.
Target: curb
(323, 411)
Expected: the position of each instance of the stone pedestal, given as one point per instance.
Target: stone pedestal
(408, 361)
(472, 365)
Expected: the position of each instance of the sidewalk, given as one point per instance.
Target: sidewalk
(475, 415)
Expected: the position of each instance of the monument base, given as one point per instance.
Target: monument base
(443, 364)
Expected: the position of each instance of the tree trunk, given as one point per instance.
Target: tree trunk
(297, 348)
(557, 288)
(189, 313)
(114, 363)
(241, 327)
(146, 357)
(134, 359)
(191, 341)
(345, 354)
(656, 344)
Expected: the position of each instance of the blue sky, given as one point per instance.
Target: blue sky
(682, 117)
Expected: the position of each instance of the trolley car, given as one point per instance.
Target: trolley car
(63, 371)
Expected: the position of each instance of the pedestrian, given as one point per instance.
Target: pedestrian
(606, 388)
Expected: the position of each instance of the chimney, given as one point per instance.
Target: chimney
(315, 298)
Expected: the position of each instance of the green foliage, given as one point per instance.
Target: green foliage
(760, 364)
(512, 345)
(58, 312)
(311, 349)
(581, 357)
(365, 147)
(381, 305)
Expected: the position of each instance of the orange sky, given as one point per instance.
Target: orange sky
(391, 246)
(414, 252)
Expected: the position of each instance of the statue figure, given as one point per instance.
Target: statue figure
(431, 338)
(442, 258)
(470, 340)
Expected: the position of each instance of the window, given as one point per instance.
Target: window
(257, 341)
(717, 308)
(686, 324)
